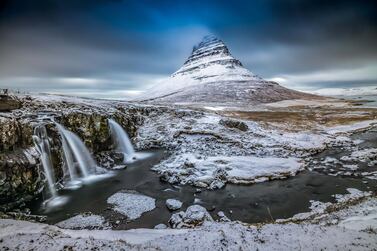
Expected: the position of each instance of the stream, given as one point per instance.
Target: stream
(259, 202)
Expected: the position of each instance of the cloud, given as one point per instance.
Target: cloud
(100, 46)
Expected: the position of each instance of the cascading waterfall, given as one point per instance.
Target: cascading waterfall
(68, 160)
(121, 140)
(75, 149)
(43, 147)
(79, 165)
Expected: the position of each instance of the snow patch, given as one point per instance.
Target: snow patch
(131, 204)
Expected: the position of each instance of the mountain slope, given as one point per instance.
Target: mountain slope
(212, 75)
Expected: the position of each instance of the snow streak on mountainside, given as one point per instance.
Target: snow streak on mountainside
(212, 75)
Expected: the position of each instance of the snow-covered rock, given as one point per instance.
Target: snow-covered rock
(195, 215)
(160, 226)
(173, 204)
(215, 171)
(131, 204)
(84, 221)
(223, 217)
(364, 155)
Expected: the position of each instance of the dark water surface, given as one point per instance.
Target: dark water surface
(248, 203)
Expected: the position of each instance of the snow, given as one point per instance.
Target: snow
(196, 140)
(353, 194)
(84, 222)
(352, 127)
(195, 215)
(358, 91)
(246, 169)
(235, 169)
(363, 222)
(173, 204)
(212, 67)
(210, 236)
(131, 204)
(364, 155)
(215, 108)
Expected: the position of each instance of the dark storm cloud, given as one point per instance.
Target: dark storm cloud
(62, 45)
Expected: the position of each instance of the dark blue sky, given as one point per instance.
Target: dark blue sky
(114, 47)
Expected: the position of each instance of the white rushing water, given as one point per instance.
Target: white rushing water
(75, 149)
(121, 140)
(43, 147)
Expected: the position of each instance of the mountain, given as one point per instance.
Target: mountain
(212, 75)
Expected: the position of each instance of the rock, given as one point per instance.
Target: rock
(111, 160)
(20, 176)
(195, 215)
(222, 217)
(161, 226)
(131, 203)
(170, 178)
(176, 220)
(234, 124)
(20, 179)
(216, 184)
(173, 204)
(84, 221)
(9, 103)
(200, 184)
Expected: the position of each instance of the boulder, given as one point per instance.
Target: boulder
(173, 204)
(9, 103)
(230, 123)
(195, 215)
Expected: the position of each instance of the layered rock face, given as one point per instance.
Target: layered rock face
(21, 176)
(212, 75)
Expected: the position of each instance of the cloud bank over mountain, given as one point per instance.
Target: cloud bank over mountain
(116, 48)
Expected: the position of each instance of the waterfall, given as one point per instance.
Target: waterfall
(121, 140)
(73, 146)
(68, 160)
(43, 147)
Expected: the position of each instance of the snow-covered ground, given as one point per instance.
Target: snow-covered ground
(207, 152)
(353, 227)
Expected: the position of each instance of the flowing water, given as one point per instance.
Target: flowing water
(121, 140)
(247, 203)
(42, 145)
(73, 147)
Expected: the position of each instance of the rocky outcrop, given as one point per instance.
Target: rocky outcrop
(234, 124)
(8, 103)
(21, 178)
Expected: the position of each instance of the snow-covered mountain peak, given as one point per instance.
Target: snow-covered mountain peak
(211, 53)
(212, 74)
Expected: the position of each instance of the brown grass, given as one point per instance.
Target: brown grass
(301, 118)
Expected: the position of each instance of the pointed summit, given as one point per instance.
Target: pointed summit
(212, 75)
(211, 51)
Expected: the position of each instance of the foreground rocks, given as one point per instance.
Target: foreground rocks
(195, 215)
(353, 232)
